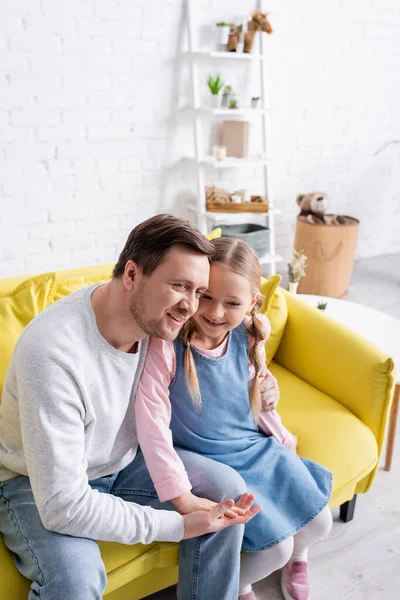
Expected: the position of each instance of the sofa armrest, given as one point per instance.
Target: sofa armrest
(339, 362)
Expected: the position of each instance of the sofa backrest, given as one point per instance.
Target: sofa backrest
(22, 298)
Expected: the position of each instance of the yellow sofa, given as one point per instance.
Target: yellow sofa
(336, 390)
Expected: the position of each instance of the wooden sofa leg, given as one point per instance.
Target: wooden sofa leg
(394, 413)
(347, 509)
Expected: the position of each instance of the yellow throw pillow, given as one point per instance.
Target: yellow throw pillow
(267, 288)
(275, 307)
(18, 308)
(72, 280)
(215, 233)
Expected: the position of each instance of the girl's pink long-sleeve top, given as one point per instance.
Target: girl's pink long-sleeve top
(153, 413)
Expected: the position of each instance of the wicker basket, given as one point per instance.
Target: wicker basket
(330, 250)
(256, 236)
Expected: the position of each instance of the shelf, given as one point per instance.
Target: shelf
(232, 112)
(206, 111)
(223, 216)
(228, 55)
(215, 216)
(260, 208)
(231, 162)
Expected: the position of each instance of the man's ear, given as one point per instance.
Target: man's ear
(131, 275)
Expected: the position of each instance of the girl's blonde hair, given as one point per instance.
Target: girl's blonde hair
(241, 259)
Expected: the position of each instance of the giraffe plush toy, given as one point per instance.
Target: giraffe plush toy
(259, 22)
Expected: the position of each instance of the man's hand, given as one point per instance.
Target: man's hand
(207, 521)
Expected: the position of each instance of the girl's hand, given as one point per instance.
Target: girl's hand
(270, 395)
(291, 443)
(202, 522)
(188, 503)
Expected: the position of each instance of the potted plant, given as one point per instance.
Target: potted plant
(233, 103)
(255, 101)
(296, 269)
(225, 95)
(215, 84)
(223, 29)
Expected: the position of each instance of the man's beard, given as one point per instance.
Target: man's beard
(152, 327)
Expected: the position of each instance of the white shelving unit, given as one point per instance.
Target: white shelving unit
(202, 160)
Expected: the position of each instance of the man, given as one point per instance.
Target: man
(70, 472)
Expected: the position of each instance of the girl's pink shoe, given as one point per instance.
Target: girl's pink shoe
(247, 596)
(294, 581)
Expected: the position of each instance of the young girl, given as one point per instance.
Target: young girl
(211, 390)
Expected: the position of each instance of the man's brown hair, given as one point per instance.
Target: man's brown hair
(148, 242)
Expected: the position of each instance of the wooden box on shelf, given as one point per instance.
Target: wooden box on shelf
(232, 207)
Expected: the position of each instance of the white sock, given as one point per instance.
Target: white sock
(245, 590)
(315, 531)
(255, 566)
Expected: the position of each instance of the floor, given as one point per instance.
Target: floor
(360, 560)
(376, 283)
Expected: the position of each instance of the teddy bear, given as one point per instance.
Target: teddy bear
(259, 22)
(314, 206)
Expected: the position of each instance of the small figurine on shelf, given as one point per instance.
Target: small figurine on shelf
(296, 269)
(236, 38)
(215, 85)
(255, 101)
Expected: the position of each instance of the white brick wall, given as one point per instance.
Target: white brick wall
(91, 136)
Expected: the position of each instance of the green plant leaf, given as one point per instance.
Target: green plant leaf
(215, 84)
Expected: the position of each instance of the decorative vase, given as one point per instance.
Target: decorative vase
(293, 287)
(223, 35)
(255, 103)
(215, 100)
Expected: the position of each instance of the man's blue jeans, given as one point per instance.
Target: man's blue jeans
(71, 568)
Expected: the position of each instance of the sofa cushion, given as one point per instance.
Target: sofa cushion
(114, 555)
(214, 234)
(123, 563)
(75, 279)
(86, 275)
(18, 308)
(311, 415)
(275, 307)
